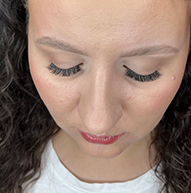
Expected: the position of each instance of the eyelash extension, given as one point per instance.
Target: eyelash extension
(142, 78)
(64, 72)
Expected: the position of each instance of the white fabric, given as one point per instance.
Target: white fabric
(55, 178)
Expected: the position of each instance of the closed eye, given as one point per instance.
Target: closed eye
(142, 78)
(65, 72)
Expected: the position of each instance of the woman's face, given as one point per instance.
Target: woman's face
(132, 56)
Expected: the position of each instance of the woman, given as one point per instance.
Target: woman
(95, 96)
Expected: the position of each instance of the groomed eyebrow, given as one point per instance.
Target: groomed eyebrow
(151, 50)
(58, 44)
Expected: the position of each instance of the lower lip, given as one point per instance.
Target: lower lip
(106, 140)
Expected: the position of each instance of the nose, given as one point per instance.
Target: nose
(99, 107)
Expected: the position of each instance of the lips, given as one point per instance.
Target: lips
(105, 140)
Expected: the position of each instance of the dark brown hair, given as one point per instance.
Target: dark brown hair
(26, 125)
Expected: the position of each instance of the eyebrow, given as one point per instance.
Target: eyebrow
(58, 44)
(151, 50)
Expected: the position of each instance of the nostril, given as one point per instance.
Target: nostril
(99, 121)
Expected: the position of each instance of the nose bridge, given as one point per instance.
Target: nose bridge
(100, 108)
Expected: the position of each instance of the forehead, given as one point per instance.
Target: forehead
(133, 21)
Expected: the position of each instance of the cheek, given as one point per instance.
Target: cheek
(164, 94)
(150, 106)
(159, 100)
(59, 98)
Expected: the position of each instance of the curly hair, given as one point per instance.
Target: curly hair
(26, 125)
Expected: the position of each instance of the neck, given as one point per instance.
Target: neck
(132, 163)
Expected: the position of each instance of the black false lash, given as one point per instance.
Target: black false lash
(142, 78)
(64, 72)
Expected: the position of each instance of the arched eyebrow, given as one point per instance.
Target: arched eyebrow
(150, 50)
(58, 44)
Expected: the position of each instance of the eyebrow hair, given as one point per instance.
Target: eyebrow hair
(151, 50)
(57, 44)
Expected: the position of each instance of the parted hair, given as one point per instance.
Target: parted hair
(26, 125)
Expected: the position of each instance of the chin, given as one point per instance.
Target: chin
(102, 151)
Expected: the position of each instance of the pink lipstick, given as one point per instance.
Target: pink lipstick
(105, 140)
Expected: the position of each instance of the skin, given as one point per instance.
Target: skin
(100, 99)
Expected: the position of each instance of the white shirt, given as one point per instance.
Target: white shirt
(55, 178)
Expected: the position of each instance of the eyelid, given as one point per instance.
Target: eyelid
(142, 78)
(130, 73)
(64, 72)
